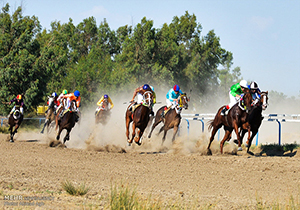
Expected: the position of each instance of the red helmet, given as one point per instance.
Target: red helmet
(19, 97)
(176, 88)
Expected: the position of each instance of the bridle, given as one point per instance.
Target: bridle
(147, 99)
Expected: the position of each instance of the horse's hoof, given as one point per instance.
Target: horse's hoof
(240, 149)
(129, 144)
(208, 152)
(11, 140)
(246, 145)
(138, 143)
(236, 141)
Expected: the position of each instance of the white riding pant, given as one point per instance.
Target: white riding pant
(68, 105)
(139, 98)
(233, 100)
(170, 103)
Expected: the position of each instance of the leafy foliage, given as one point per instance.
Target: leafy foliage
(88, 58)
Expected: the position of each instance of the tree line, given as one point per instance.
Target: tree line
(36, 62)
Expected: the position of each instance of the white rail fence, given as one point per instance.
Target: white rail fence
(279, 118)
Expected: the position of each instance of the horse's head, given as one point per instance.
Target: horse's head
(264, 100)
(183, 101)
(246, 102)
(104, 105)
(148, 98)
(17, 114)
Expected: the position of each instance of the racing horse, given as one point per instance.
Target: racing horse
(50, 117)
(102, 115)
(171, 119)
(235, 119)
(255, 119)
(67, 122)
(15, 119)
(139, 118)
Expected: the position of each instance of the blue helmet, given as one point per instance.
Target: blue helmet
(106, 96)
(76, 93)
(54, 94)
(146, 87)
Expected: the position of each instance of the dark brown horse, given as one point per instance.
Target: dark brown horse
(171, 119)
(50, 116)
(235, 119)
(255, 119)
(67, 122)
(15, 119)
(102, 115)
(139, 118)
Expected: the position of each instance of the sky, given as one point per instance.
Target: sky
(263, 35)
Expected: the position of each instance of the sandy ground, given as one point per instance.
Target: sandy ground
(99, 157)
(31, 169)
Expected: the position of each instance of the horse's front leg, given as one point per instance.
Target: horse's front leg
(67, 137)
(44, 126)
(133, 133)
(11, 134)
(138, 139)
(127, 129)
(236, 129)
(58, 133)
(156, 122)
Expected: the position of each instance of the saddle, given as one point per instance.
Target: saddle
(133, 107)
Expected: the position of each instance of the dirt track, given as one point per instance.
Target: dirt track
(29, 167)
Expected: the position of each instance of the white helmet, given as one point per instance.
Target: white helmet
(253, 86)
(243, 83)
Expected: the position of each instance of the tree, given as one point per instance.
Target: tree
(19, 50)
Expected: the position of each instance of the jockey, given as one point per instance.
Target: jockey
(52, 101)
(140, 92)
(69, 98)
(235, 94)
(106, 98)
(18, 103)
(255, 91)
(72, 97)
(60, 99)
(172, 96)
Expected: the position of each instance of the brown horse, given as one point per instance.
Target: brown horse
(67, 122)
(15, 119)
(235, 119)
(102, 115)
(50, 117)
(171, 119)
(255, 119)
(139, 118)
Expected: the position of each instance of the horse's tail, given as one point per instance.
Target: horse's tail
(210, 124)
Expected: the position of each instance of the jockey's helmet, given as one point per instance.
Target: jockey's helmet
(253, 86)
(176, 88)
(243, 84)
(146, 87)
(76, 93)
(19, 97)
(106, 96)
(64, 92)
(54, 94)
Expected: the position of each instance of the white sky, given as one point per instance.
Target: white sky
(263, 35)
